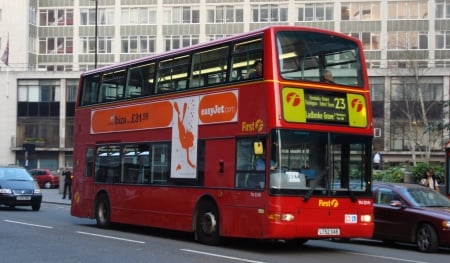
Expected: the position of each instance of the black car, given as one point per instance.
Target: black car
(18, 188)
(411, 213)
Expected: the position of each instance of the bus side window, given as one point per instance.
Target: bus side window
(244, 56)
(209, 67)
(90, 90)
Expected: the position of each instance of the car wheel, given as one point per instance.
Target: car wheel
(36, 206)
(427, 239)
(207, 224)
(47, 185)
(102, 211)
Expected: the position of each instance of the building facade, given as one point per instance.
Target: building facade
(50, 42)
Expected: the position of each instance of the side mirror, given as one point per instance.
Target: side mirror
(395, 203)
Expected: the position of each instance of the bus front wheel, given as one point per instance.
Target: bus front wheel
(102, 212)
(207, 226)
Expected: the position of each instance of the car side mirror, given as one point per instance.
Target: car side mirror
(395, 203)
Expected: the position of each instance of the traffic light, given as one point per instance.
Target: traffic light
(29, 147)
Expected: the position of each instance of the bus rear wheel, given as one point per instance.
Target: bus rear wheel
(208, 224)
(102, 212)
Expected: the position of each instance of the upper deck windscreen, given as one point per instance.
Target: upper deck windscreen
(318, 57)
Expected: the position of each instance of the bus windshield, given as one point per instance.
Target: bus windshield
(309, 56)
(319, 161)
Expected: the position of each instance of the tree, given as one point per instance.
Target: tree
(418, 111)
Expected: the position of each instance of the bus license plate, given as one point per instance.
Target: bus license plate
(23, 198)
(329, 232)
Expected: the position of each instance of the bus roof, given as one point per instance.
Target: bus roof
(212, 43)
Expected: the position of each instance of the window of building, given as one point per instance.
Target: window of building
(105, 16)
(38, 90)
(225, 14)
(442, 9)
(269, 13)
(443, 39)
(414, 9)
(407, 40)
(360, 11)
(174, 42)
(315, 12)
(56, 17)
(56, 45)
(181, 15)
(138, 44)
(377, 88)
(88, 45)
(370, 40)
(138, 16)
(214, 37)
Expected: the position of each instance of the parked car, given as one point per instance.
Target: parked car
(45, 178)
(411, 213)
(18, 188)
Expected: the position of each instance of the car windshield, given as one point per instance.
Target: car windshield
(426, 197)
(9, 173)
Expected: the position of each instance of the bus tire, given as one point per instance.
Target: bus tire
(102, 211)
(208, 224)
(427, 238)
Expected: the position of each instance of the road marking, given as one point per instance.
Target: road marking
(27, 224)
(221, 256)
(384, 257)
(111, 237)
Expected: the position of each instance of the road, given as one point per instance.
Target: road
(52, 235)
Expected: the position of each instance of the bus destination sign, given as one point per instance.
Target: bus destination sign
(319, 106)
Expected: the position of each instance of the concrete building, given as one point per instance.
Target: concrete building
(406, 42)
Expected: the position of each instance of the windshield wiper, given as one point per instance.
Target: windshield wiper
(309, 193)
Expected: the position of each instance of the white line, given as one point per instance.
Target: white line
(27, 224)
(221, 256)
(111, 237)
(383, 257)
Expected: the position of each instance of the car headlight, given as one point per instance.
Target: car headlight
(5, 191)
(37, 191)
(446, 224)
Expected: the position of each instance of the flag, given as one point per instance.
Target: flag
(5, 56)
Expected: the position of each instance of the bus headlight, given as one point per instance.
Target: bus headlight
(281, 217)
(366, 218)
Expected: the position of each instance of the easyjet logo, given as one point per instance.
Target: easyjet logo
(333, 203)
(221, 107)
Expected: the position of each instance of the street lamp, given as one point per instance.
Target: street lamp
(96, 34)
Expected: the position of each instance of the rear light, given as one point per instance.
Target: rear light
(446, 224)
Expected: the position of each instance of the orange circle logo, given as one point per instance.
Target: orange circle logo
(293, 99)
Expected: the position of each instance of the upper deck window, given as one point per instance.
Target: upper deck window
(308, 55)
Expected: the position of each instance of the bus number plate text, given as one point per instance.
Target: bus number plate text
(328, 232)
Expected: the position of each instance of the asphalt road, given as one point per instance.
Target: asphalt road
(52, 235)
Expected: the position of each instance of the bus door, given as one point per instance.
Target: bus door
(82, 185)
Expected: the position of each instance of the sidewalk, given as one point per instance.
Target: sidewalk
(53, 196)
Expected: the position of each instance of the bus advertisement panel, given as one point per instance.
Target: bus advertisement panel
(246, 136)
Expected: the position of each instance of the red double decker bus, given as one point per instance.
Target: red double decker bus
(194, 140)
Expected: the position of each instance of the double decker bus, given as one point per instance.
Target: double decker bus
(186, 141)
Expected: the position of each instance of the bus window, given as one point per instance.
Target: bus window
(140, 81)
(90, 90)
(248, 174)
(107, 164)
(244, 56)
(172, 74)
(160, 163)
(306, 55)
(112, 86)
(209, 67)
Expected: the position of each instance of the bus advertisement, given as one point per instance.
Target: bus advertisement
(263, 135)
